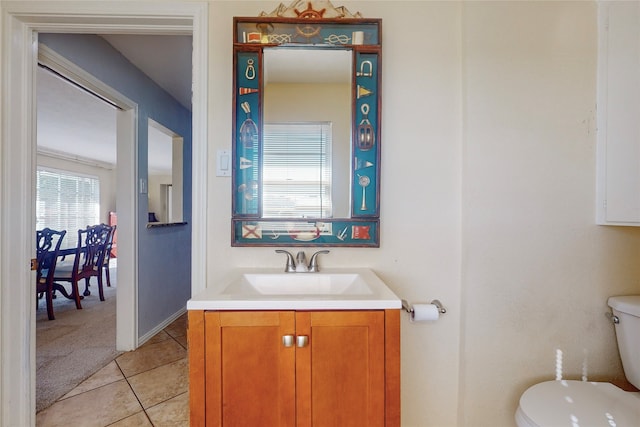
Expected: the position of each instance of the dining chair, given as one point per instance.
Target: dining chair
(101, 234)
(107, 255)
(48, 243)
(88, 261)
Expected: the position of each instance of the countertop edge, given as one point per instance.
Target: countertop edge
(293, 305)
(212, 299)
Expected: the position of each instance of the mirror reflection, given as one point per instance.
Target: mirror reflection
(307, 133)
(165, 177)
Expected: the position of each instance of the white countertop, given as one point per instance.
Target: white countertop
(234, 293)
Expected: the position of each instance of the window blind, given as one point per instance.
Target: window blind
(65, 201)
(296, 170)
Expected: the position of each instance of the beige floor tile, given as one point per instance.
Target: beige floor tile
(178, 327)
(95, 408)
(171, 413)
(159, 337)
(182, 340)
(162, 383)
(149, 357)
(136, 420)
(107, 375)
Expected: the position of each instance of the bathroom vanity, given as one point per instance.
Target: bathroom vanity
(291, 349)
(268, 348)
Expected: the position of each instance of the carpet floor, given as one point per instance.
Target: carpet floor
(76, 344)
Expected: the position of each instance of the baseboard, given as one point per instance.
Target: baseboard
(146, 337)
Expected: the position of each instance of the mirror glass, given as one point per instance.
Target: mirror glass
(165, 182)
(307, 133)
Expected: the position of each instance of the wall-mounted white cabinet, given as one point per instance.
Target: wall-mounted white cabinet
(618, 156)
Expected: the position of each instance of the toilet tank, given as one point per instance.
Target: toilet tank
(627, 308)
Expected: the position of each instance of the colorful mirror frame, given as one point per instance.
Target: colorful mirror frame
(311, 30)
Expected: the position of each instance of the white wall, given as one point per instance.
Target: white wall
(488, 198)
(536, 270)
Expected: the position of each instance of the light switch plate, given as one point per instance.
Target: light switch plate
(223, 163)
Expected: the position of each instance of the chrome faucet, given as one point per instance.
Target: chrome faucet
(299, 264)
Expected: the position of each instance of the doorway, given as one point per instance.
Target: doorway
(123, 154)
(21, 23)
(76, 168)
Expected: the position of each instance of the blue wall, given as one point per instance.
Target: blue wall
(164, 253)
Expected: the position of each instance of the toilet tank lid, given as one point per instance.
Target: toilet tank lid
(629, 304)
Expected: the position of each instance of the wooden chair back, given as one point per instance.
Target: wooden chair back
(96, 240)
(48, 243)
(88, 262)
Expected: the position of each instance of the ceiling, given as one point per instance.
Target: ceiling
(77, 125)
(165, 59)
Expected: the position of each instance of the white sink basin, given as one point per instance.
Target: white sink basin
(267, 289)
(300, 284)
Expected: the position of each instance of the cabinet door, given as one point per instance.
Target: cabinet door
(340, 375)
(249, 372)
(618, 155)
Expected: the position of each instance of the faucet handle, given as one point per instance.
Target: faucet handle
(291, 264)
(313, 263)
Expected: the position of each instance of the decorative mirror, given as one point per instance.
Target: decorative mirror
(306, 120)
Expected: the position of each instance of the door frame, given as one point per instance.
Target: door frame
(21, 22)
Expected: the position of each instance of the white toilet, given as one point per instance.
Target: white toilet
(581, 403)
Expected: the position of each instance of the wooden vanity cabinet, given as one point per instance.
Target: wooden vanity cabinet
(338, 368)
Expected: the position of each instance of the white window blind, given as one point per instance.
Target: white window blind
(296, 170)
(65, 201)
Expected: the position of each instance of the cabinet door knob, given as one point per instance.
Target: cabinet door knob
(302, 340)
(287, 340)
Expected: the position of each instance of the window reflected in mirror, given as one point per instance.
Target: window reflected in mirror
(296, 170)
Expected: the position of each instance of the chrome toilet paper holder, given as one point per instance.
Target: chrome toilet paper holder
(409, 308)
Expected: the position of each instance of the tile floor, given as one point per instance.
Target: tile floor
(145, 387)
